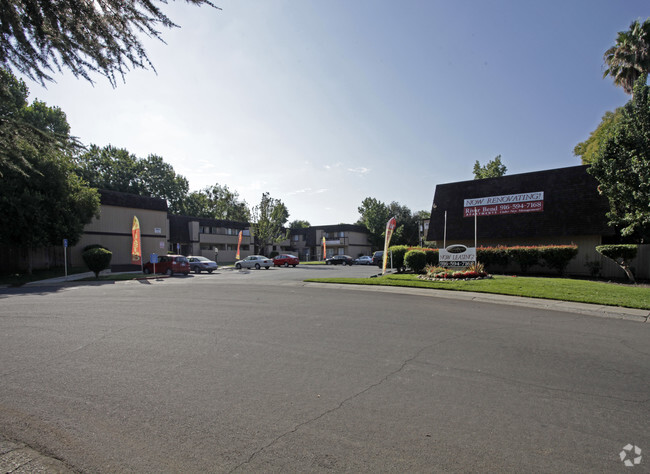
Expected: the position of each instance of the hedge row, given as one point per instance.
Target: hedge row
(555, 257)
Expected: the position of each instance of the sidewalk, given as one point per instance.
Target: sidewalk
(19, 458)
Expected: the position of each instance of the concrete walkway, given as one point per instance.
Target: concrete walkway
(19, 458)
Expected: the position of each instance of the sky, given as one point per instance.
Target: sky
(324, 103)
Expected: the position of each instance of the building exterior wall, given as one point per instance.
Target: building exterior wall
(113, 230)
(339, 240)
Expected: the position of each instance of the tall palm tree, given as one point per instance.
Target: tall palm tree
(630, 56)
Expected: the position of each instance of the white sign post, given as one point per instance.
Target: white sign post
(65, 257)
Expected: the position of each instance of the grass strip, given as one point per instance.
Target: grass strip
(564, 289)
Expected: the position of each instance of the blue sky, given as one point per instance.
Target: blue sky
(325, 103)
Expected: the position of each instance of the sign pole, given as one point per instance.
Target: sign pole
(65, 257)
(475, 225)
(444, 238)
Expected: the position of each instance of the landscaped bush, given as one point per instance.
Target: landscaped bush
(558, 257)
(93, 246)
(398, 252)
(526, 257)
(97, 259)
(416, 260)
(432, 256)
(621, 254)
(492, 256)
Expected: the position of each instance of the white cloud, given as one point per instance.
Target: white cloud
(359, 170)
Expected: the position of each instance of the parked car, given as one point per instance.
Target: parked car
(169, 264)
(378, 258)
(254, 261)
(364, 260)
(198, 264)
(339, 260)
(285, 260)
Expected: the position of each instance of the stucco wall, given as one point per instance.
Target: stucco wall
(113, 230)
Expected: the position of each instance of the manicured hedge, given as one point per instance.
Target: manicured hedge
(416, 260)
(555, 257)
(97, 259)
(399, 252)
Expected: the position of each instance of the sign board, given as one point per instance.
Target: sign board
(153, 258)
(157, 230)
(178, 248)
(162, 245)
(65, 243)
(456, 256)
(507, 204)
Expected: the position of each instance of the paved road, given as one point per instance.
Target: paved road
(255, 371)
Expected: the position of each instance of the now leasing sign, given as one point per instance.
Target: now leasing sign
(456, 256)
(507, 204)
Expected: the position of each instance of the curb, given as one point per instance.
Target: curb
(18, 457)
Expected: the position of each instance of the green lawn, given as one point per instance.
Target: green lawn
(17, 279)
(564, 289)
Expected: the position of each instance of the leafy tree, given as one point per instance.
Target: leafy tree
(591, 147)
(23, 125)
(268, 220)
(493, 169)
(623, 166)
(216, 202)
(100, 36)
(42, 200)
(116, 169)
(374, 216)
(158, 179)
(629, 58)
(298, 224)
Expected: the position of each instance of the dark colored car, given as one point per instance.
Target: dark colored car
(340, 260)
(285, 260)
(198, 264)
(169, 264)
(378, 258)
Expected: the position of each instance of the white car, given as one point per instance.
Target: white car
(198, 264)
(254, 261)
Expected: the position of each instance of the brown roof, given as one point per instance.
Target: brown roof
(571, 206)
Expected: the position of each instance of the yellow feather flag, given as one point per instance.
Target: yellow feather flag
(136, 249)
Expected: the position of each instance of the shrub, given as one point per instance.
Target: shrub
(93, 246)
(558, 257)
(416, 260)
(621, 254)
(526, 257)
(97, 259)
(273, 254)
(398, 252)
(432, 256)
(492, 256)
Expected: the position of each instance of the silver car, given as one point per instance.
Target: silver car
(254, 261)
(198, 264)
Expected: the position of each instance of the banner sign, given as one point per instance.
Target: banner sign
(508, 204)
(390, 228)
(324, 249)
(136, 250)
(456, 256)
(239, 244)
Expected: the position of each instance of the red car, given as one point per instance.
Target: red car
(169, 264)
(285, 260)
